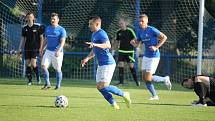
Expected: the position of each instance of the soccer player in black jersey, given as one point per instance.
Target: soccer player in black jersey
(31, 41)
(125, 50)
(204, 87)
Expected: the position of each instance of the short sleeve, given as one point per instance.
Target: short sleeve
(103, 37)
(117, 35)
(132, 33)
(41, 29)
(63, 33)
(156, 32)
(23, 32)
(138, 35)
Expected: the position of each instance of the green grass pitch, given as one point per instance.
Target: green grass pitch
(19, 102)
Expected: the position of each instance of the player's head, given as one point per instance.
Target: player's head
(30, 17)
(54, 19)
(187, 83)
(95, 23)
(143, 20)
(123, 23)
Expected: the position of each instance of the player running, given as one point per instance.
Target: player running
(153, 39)
(100, 45)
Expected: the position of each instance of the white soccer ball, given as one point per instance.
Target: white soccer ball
(61, 101)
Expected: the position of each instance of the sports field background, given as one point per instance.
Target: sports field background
(20, 102)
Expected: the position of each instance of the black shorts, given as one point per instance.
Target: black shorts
(126, 57)
(29, 54)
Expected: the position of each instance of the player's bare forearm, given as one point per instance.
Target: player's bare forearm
(115, 45)
(91, 55)
(103, 45)
(22, 43)
(62, 43)
(162, 39)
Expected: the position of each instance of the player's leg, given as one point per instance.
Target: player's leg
(35, 67)
(46, 61)
(28, 71)
(57, 64)
(149, 66)
(121, 68)
(134, 73)
(131, 60)
(28, 66)
(121, 72)
(103, 78)
(165, 79)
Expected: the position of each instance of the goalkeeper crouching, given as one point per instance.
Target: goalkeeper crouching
(204, 87)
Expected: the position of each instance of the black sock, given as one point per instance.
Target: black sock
(36, 71)
(29, 73)
(121, 75)
(134, 74)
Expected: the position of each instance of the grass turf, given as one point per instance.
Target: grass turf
(28, 103)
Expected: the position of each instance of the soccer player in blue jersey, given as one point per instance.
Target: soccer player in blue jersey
(55, 36)
(153, 39)
(100, 45)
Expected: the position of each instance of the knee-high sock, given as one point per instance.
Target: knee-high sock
(107, 96)
(114, 90)
(151, 88)
(59, 77)
(121, 75)
(36, 71)
(29, 73)
(46, 76)
(134, 74)
(156, 78)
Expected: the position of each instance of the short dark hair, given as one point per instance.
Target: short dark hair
(143, 15)
(95, 18)
(29, 13)
(54, 14)
(185, 80)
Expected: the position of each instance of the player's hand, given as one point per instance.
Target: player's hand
(153, 48)
(57, 53)
(19, 55)
(133, 43)
(90, 44)
(84, 62)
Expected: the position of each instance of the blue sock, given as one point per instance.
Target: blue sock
(151, 88)
(59, 78)
(114, 90)
(46, 76)
(107, 96)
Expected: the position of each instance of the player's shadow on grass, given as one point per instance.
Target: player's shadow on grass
(166, 104)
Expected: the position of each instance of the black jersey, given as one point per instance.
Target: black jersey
(32, 36)
(124, 37)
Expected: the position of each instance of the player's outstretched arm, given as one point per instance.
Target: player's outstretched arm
(103, 45)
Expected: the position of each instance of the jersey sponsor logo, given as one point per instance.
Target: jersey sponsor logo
(34, 30)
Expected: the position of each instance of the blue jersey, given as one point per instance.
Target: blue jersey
(149, 37)
(103, 56)
(53, 36)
